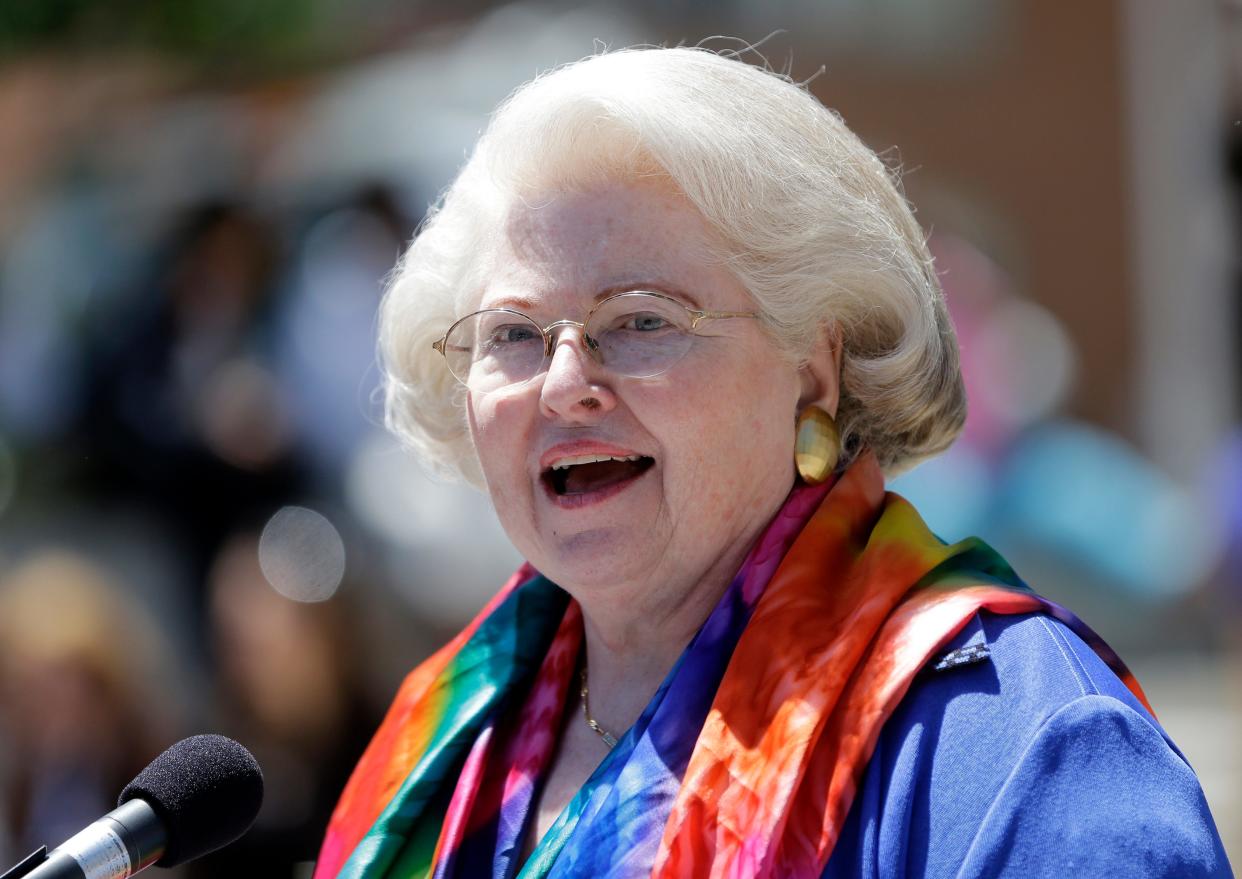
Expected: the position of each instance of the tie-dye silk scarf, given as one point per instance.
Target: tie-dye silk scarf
(745, 762)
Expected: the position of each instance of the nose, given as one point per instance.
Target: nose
(576, 387)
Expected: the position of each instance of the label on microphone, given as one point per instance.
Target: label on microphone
(99, 851)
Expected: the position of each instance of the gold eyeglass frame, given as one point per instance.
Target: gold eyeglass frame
(697, 316)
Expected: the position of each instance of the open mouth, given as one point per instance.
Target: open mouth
(590, 473)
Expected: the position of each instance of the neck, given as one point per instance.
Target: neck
(631, 643)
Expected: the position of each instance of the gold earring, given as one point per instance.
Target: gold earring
(818, 446)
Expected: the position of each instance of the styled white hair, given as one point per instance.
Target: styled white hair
(809, 220)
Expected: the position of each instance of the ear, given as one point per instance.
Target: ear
(821, 374)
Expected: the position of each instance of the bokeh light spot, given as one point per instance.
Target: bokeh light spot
(1032, 363)
(302, 554)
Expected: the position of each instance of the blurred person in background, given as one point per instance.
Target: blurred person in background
(680, 324)
(325, 327)
(86, 696)
(183, 416)
(287, 687)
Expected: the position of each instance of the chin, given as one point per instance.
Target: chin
(596, 557)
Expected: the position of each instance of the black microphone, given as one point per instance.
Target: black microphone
(199, 795)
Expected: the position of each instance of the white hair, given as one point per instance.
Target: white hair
(810, 221)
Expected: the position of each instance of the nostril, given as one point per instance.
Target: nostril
(575, 386)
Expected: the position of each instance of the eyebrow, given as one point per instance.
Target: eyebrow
(520, 303)
(515, 302)
(649, 287)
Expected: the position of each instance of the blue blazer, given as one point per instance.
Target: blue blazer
(1019, 753)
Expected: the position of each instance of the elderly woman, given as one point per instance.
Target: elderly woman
(680, 323)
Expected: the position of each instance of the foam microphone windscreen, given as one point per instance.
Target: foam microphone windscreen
(206, 789)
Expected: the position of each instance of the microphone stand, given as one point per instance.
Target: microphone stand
(34, 860)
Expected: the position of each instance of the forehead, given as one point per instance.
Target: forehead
(568, 247)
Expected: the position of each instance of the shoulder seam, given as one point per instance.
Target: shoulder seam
(1086, 684)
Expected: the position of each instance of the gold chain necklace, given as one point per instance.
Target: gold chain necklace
(609, 739)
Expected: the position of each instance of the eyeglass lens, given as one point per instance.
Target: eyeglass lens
(637, 334)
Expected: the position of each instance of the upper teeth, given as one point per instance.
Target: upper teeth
(564, 463)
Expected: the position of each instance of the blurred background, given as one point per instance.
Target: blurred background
(203, 525)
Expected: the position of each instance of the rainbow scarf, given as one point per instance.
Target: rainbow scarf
(745, 762)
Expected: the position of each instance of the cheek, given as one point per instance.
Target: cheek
(496, 433)
(774, 432)
(478, 420)
(742, 439)
(762, 409)
(494, 416)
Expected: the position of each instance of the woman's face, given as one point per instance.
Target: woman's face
(714, 434)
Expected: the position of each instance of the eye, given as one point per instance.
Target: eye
(645, 321)
(512, 334)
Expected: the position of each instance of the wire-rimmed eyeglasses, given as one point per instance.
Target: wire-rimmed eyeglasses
(637, 334)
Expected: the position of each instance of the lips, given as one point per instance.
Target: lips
(595, 475)
(574, 475)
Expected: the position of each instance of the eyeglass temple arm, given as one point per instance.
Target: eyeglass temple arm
(444, 349)
(711, 315)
